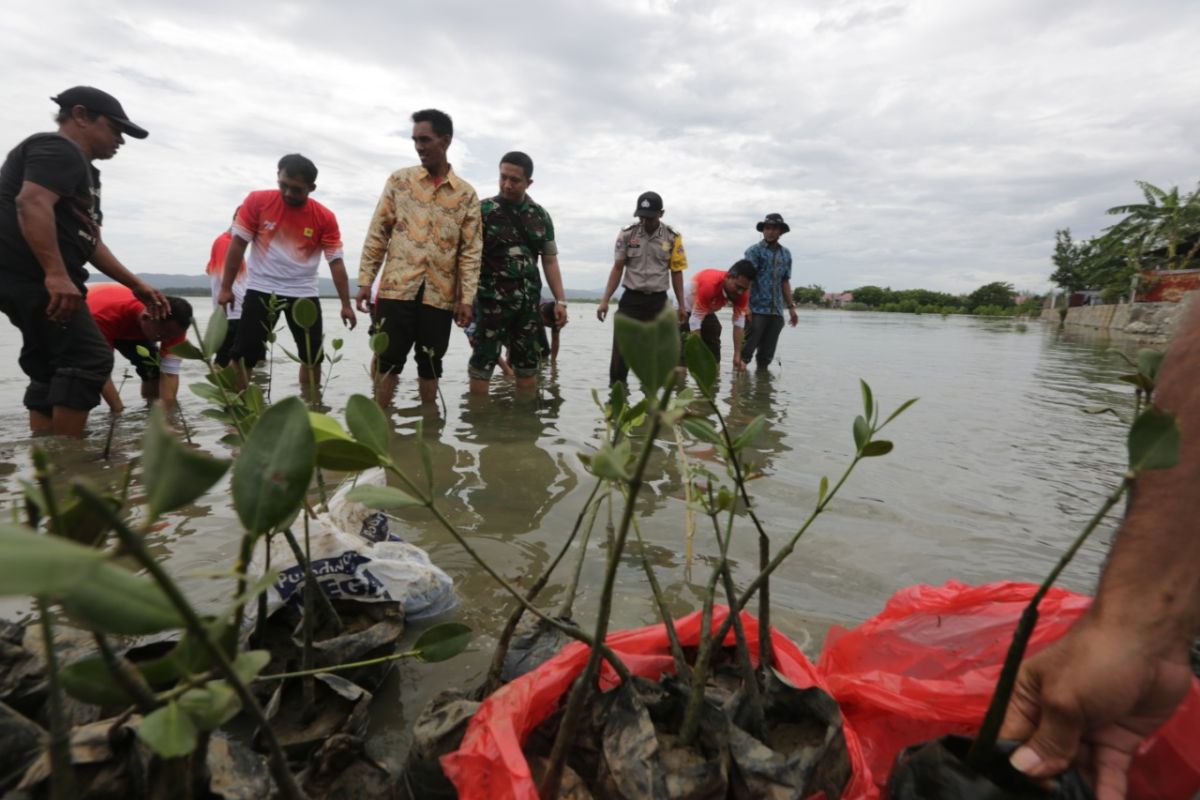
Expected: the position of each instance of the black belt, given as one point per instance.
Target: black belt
(648, 294)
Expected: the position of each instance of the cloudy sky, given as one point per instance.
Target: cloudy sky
(931, 143)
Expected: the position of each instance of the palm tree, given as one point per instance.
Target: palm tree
(1163, 230)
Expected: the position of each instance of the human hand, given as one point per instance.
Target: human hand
(348, 317)
(463, 314)
(65, 298)
(155, 301)
(738, 364)
(682, 313)
(602, 310)
(795, 318)
(1090, 699)
(560, 315)
(225, 299)
(363, 299)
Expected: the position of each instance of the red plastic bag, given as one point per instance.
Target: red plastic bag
(928, 663)
(490, 765)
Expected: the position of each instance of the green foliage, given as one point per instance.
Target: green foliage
(369, 424)
(1153, 441)
(305, 313)
(442, 642)
(384, 498)
(345, 455)
(997, 293)
(700, 362)
(114, 600)
(174, 474)
(809, 295)
(214, 333)
(273, 471)
(650, 348)
(169, 731)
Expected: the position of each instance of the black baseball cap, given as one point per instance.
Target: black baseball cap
(99, 102)
(648, 205)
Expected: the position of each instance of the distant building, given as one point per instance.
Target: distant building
(836, 300)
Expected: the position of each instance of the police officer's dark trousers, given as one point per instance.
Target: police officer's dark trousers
(643, 306)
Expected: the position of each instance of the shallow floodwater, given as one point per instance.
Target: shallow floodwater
(994, 470)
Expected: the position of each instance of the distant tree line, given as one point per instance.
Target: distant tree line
(991, 299)
(1161, 233)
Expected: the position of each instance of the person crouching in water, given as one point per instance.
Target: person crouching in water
(708, 292)
(126, 324)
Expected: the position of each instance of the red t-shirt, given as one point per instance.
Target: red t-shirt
(706, 295)
(286, 243)
(118, 315)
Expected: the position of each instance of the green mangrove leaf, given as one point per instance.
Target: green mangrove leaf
(379, 343)
(618, 400)
(325, 427)
(206, 391)
(382, 497)
(80, 522)
(609, 462)
(174, 473)
(212, 706)
(214, 332)
(186, 349)
(879, 447)
(862, 432)
(114, 600)
(142, 351)
(902, 408)
(33, 563)
(272, 474)
(650, 348)
(253, 400)
(338, 344)
(305, 313)
(1153, 441)
(168, 731)
(633, 416)
(1139, 380)
(823, 489)
(700, 429)
(249, 663)
(867, 398)
(291, 355)
(369, 424)
(219, 414)
(700, 363)
(345, 455)
(442, 642)
(751, 432)
(1149, 362)
(90, 681)
(725, 498)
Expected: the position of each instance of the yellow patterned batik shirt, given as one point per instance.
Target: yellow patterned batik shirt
(424, 235)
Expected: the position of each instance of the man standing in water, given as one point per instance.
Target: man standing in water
(649, 255)
(49, 228)
(426, 235)
(288, 232)
(772, 291)
(516, 231)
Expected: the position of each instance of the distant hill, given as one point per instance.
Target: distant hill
(199, 285)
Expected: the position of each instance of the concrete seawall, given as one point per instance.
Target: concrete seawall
(1148, 322)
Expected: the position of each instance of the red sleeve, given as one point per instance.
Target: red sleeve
(331, 236)
(246, 222)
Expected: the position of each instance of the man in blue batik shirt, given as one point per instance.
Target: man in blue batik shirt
(770, 293)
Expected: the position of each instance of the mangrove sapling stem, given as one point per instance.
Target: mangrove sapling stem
(492, 681)
(758, 712)
(568, 603)
(370, 662)
(260, 624)
(765, 656)
(681, 666)
(62, 777)
(985, 741)
(570, 630)
(306, 660)
(327, 609)
(125, 674)
(276, 761)
(586, 682)
(112, 418)
(689, 514)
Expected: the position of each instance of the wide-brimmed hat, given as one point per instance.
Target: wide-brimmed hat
(773, 219)
(648, 205)
(99, 102)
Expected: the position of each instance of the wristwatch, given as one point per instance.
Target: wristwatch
(562, 303)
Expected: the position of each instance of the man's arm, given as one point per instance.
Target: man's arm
(35, 216)
(614, 280)
(233, 263)
(554, 281)
(1121, 671)
(168, 389)
(109, 392)
(790, 302)
(739, 334)
(680, 303)
(337, 268)
(154, 300)
(374, 249)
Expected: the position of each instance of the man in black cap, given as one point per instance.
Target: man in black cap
(49, 228)
(649, 254)
(772, 291)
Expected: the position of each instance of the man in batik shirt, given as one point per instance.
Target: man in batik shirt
(516, 231)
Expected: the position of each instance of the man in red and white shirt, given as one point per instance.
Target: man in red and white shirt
(287, 233)
(216, 275)
(708, 291)
(126, 325)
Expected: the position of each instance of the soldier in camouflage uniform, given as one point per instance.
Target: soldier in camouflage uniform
(516, 231)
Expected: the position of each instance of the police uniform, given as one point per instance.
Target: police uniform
(649, 259)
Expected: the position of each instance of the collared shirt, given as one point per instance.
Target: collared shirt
(650, 258)
(513, 238)
(424, 234)
(774, 265)
(286, 243)
(706, 295)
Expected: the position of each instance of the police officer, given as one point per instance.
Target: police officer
(649, 255)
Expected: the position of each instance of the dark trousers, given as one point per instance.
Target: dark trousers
(412, 325)
(643, 306)
(762, 335)
(250, 346)
(710, 334)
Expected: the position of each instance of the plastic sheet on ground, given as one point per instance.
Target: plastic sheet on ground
(490, 764)
(355, 555)
(928, 663)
